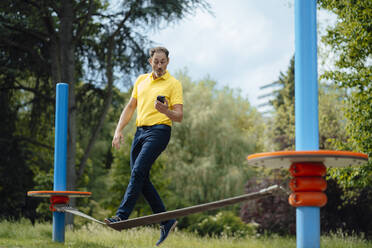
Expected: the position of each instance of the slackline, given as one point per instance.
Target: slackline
(157, 218)
(71, 210)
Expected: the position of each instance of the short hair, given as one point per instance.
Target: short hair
(159, 49)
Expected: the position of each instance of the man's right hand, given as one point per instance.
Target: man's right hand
(117, 140)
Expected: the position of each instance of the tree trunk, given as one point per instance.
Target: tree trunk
(55, 60)
(105, 107)
(67, 50)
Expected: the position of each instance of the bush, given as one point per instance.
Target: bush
(350, 214)
(222, 224)
(272, 213)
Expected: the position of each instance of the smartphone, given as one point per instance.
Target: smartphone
(161, 99)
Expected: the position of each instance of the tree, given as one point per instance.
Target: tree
(281, 128)
(350, 39)
(69, 41)
(206, 157)
(15, 176)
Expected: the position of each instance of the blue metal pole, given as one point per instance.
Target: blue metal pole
(306, 110)
(60, 152)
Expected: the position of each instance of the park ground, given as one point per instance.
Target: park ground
(24, 234)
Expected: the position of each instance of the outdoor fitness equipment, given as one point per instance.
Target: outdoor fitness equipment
(59, 195)
(307, 163)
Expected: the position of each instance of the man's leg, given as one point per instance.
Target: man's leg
(152, 197)
(154, 142)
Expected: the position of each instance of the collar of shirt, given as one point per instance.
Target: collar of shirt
(165, 76)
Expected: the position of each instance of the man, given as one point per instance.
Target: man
(154, 121)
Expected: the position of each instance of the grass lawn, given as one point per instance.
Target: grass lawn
(23, 234)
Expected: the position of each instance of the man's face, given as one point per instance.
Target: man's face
(159, 63)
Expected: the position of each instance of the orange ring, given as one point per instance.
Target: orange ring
(300, 184)
(308, 169)
(302, 199)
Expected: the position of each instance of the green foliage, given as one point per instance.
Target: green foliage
(331, 117)
(350, 213)
(351, 39)
(281, 127)
(24, 142)
(206, 157)
(225, 224)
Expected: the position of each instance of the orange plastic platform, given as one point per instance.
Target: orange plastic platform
(50, 193)
(284, 159)
(58, 197)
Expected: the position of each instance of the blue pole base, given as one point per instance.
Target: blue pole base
(308, 227)
(58, 227)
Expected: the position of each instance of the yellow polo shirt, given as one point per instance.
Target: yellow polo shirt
(146, 90)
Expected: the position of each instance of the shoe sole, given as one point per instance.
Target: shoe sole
(110, 222)
(171, 229)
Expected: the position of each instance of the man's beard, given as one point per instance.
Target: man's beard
(159, 73)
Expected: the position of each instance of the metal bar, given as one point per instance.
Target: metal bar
(60, 151)
(74, 211)
(157, 218)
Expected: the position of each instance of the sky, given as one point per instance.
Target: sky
(244, 44)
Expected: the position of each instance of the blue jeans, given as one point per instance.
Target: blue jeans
(149, 142)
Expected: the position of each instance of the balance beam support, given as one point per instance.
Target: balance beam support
(60, 152)
(306, 110)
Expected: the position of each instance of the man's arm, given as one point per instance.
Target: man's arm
(125, 117)
(175, 115)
